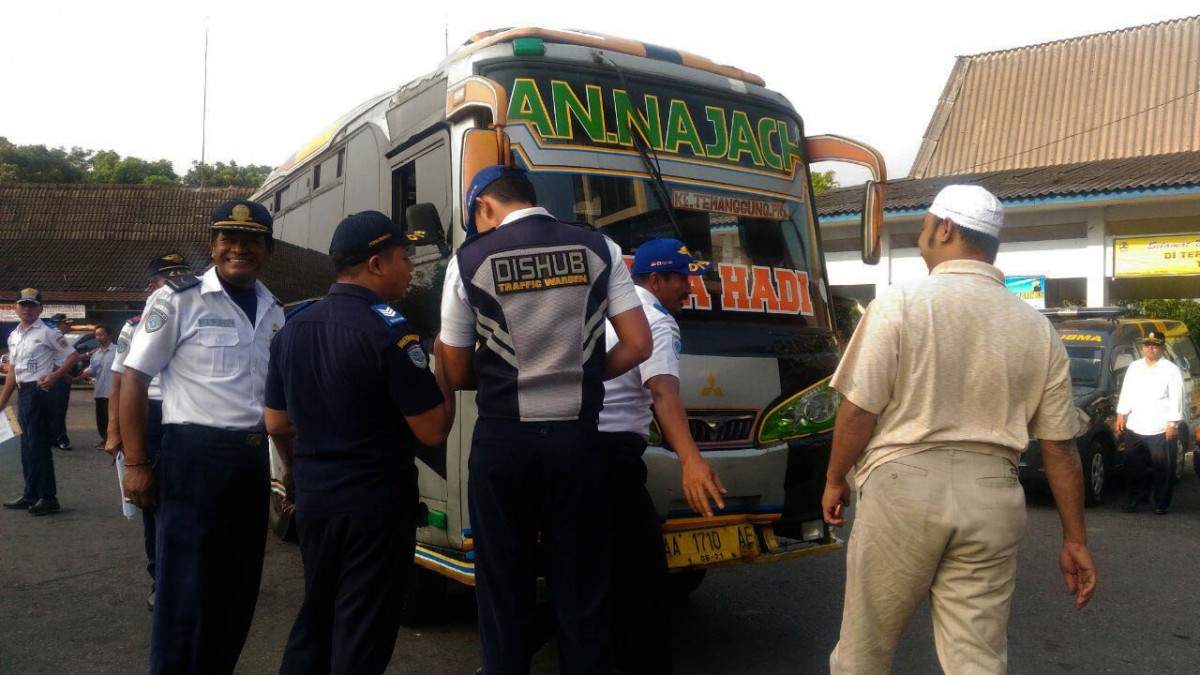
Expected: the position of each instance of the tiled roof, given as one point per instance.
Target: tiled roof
(77, 240)
(1124, 93)
(1083, 178)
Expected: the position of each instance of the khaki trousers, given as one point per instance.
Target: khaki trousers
(944, 523)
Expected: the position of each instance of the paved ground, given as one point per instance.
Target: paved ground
(73, 586)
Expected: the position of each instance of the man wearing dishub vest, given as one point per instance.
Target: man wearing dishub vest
(523, 313)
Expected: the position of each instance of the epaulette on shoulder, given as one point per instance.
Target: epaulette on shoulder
(298, 307)
(389, 315)
(137, 318)
(182, 282)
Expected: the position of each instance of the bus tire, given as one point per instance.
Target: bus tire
(425, 598)
(683, 583)
(282, 524)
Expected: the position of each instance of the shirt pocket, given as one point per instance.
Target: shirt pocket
(219, 351)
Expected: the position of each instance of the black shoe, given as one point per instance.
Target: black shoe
(43, 507)
(150, 599)
(1131, 508)
(22, 503)
(63, 443)
(1162, 512)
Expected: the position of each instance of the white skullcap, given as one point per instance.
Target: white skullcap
(970, 206)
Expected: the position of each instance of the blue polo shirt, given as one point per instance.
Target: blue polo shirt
(349, 369)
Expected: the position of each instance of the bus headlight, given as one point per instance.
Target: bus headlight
(809, 412)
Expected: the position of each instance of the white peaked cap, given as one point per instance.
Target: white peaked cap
(970, 206)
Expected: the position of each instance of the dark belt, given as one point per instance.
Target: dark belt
(201, 433)
(26, 386)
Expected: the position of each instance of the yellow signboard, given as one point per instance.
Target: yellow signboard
(1156, 256)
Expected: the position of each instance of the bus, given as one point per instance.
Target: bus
(639, 141)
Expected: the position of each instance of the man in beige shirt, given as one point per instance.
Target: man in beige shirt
(943, 383)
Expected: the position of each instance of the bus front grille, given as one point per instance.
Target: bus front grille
(721, 427)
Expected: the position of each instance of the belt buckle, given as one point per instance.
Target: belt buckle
(254, 439)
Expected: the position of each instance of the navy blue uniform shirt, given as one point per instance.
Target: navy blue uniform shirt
(348, 369)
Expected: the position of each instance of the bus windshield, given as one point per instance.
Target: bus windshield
(765, 264)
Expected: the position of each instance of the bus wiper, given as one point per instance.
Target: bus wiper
(657, 186)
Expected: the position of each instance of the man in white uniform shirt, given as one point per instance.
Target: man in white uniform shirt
(210, 338)
(167, 266)
(1148, 415)
(33, 348)
(640, 595)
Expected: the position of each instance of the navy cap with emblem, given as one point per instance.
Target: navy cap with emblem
(58, 318)
(667, 255)
(29, 296)
(486, 176)
(168, 262)
(242, 215)
(361, 235)
(1154, 338)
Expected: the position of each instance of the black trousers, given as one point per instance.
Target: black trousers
(641, 596)
(356, 570)
(213, 494)
(530, 478)
(61, 394)
(1155, 451)
(154, 436)
(102, 418)
(35, 412)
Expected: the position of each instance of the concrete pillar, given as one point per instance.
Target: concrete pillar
(1097, 255)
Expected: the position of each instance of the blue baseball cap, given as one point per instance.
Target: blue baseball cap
(486, 176)
(667, 255)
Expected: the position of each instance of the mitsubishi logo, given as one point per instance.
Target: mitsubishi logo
(712, 388)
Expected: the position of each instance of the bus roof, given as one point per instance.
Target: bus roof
(496, 36)
(600, 41)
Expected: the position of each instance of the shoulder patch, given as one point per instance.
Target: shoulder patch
(155, 320)
(122, 345)
(390, 316)
(417, 355)
(182, 282)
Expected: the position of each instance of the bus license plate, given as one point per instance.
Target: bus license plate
(711, 545)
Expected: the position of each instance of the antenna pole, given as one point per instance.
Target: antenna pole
(204, 108)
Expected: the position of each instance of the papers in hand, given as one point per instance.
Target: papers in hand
(128, 509)
(9, 426)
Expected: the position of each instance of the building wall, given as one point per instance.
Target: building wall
(1071, 245)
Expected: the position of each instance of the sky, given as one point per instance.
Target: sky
(128, 75)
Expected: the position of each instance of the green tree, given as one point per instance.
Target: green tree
(39, 164)
(110, 167)
(824, 181)
(226, 175)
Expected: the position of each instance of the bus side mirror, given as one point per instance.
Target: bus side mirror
(423, 218)
(481, 148)
(829, 148)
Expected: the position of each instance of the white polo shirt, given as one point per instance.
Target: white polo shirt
(37, 351)
(458, 318)
(217, 359)
(1151, 396)
(626, 399)
(128, 331)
